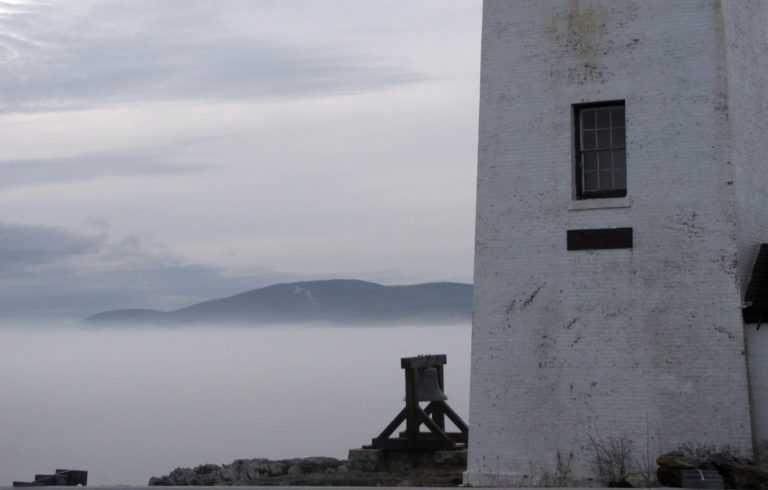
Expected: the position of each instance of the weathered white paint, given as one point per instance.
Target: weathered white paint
(647, 342)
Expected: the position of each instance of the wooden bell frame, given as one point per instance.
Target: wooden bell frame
(432, 416)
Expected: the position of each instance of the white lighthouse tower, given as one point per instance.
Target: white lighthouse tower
(622, 201)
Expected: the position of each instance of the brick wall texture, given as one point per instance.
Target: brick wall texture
(646, 342)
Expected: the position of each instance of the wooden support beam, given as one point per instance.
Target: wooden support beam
(432, 426)
(419, 362)
(391, 427)
(420, 444)
(454, 436)
(460, 424)
(438, 416)
(411, 404)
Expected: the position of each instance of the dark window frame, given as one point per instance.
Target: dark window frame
(589, 167)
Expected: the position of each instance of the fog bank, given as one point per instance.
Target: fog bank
(126, 404)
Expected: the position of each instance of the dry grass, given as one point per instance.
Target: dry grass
(612, 459)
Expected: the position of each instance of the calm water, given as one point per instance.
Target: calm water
(127, 404)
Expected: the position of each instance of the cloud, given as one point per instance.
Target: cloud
(48, 272)
(173, 149)
(69, 55)
(91, 166)
(23, 247)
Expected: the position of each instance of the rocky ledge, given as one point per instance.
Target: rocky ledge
(365, 467)
(734, 471)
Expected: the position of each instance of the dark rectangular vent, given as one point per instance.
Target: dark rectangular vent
(756, 297)
(599, 239)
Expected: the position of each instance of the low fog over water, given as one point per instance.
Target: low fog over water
(127, 404)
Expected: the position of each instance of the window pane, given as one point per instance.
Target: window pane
(617, 117)
(587, 119)
(604, 160)
(619, 138)
(620, 178)
(604, 138)
(620, 169)
(605, 178)
(589, 161)
(619, 159)
(603, 118)
(590, 181)
(588, 140)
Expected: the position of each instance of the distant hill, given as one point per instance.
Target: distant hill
(337, 301)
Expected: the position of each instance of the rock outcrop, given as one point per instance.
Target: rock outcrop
(736, 472)
(364, 468)
(298, 471)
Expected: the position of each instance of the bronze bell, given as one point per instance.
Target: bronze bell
(428, 388)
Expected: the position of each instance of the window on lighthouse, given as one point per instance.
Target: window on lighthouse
(601, 155)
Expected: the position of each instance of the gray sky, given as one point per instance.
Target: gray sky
(157, 153)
